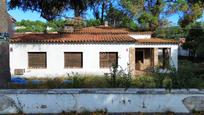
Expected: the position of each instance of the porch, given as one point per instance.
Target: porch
(143, 60)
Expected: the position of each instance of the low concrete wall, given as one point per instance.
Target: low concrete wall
(109, 100)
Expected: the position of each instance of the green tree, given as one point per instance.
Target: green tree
(57, 25)
(117, 17)
(147, 12)
(49, 9)
(133, 8)
(30, 26)
(99, 8)
(79, 6)
(195, 40)
(173, 32)
(93, 22)
(190, 10)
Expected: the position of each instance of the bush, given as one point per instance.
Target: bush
(92, 81)
(167, 83)
(118, 77)
(144, 82)
(77, 80)
(183, 78)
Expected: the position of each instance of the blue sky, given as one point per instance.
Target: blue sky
(20, 15)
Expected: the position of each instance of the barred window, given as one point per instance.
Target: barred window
(37, 60)
(108, 59)
(73, 60)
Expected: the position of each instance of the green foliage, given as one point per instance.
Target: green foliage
(187, 76)
(195, 39)
(79, 6)
(118, 77)
(144, 82)
(167, 83)
(30, 26)
(91, 81)
(77, 80)
(39, 26)
(57, 25)
(191, 10)
(158, 77)
(93, 22)
(148, 21)
(132, 7)
(49, 10)
(118, 18)
(174, 32)
(183, 78)
(146, 11)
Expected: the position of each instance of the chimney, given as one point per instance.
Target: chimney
(3, 17)
(68, 28)
(106, 24)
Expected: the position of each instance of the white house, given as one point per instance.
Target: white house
(91, 50)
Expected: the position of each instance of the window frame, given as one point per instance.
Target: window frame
(100, 65)
(30, 67)
(67, 67)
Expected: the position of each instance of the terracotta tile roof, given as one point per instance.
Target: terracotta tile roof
(102, 30)
(157, 41)
(45, 38)
(89, 34)
(108, 30)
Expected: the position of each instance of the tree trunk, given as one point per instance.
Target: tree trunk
(102, 12)
(77, 12)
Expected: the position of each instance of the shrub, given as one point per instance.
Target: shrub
(183, 78)
(167, 83)
(92, 81)
(77, 80)
(158, 78)
(118, 77)
(55, 82)
(144, 82)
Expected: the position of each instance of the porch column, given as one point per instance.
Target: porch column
(155, 53)
(132, 60)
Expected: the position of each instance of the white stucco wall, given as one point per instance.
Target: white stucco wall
(142, 36)
(55, 57)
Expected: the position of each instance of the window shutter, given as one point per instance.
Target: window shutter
(37, 60)
(73, 59)
(108, 59)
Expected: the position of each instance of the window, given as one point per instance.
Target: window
(73, 59)
(108, 59)
(37, 60)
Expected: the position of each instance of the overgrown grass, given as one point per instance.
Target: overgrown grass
(63, 82)
(189, 75)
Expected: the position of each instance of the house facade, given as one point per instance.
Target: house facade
(91, 50)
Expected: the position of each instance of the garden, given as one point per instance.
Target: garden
(189, 75)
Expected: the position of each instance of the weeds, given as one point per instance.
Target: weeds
(185, 77)
(118, 77)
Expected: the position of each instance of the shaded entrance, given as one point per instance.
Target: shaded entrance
(147, 58)
(143, 58)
